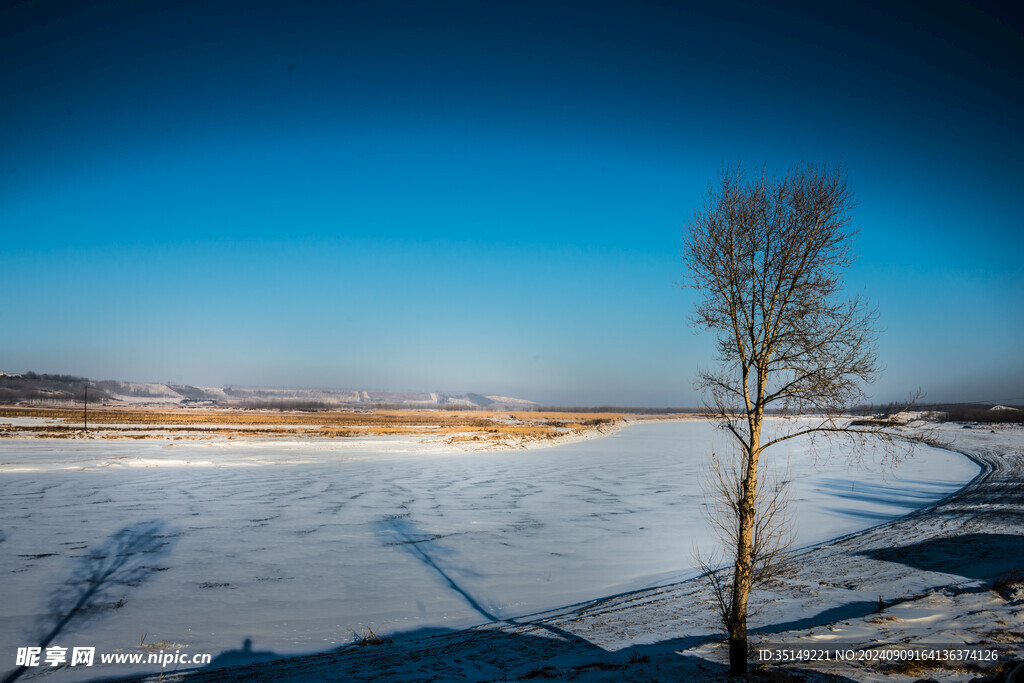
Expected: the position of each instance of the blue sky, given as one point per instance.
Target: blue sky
(488, 196)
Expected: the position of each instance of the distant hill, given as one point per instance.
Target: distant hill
(32, 387)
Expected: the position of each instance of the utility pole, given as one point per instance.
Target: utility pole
(85, 415)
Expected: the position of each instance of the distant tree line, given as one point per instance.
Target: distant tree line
(948, 412)
(50, 378)
(1003, 415)
(33, 387)
(632, 410)
(299, 405)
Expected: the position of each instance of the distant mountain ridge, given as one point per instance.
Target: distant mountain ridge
(32, 387)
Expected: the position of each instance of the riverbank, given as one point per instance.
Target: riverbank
(421, 429)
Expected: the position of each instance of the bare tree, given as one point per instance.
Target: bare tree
(773, 530)
(767, 255)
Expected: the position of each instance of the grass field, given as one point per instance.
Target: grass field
(469, 427)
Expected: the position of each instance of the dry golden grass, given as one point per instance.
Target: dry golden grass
(454, 427)
(884, 619)
(237, 417)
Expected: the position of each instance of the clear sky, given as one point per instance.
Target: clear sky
(488, 196)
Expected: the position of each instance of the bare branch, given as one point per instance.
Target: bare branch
(773, 535)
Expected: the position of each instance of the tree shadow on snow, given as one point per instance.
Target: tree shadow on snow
(851, 610)
(902, 495)
(124, 561)
(974, 556)
(403, 533)
(505, 649)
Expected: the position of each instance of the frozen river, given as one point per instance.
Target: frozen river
(302, 547)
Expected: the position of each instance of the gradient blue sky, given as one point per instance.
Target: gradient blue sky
(488, 196)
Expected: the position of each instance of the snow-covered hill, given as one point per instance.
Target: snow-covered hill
(33, 387)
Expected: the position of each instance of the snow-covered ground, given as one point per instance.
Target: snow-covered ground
(258, 550)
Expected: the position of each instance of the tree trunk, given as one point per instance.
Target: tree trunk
(744, 559)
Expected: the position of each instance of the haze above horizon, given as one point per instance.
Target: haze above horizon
(465, 196)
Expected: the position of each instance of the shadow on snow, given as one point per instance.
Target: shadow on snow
(124, 561)
(974, 556)
(517, 650)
